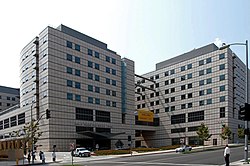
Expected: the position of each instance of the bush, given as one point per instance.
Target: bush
(111, 152)
(140, 150)
(169, 147)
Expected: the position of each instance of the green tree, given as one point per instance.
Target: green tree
(203, 133)
(30, 131)
(241, 133)
(226, 133)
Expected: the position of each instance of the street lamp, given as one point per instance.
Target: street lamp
(246, 99)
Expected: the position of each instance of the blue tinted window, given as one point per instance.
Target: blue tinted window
(90, 52)
(90, 99)
(97, 55)
(107, 70)
(222, 98)
(77, 72)
(78, 85)
(69, 57)
(113, 61)
(107, 81)
(69, 83)
(97, 89)
(209, 80)
(221, 56)
(97, 101)
(77, 60)
(222, 77)
(69, 96)
(97, 66)
(209, 70)
(189, 76)
(69, 44)
(209, 60)
(69, 70)
(222, 88)
(90, 76)
(209, 91)
(77, 47)
(78, 97)
(189, 66)
(90, 64)
(107, 58)
(97, 78)
(222, 66)
(209, 101)
(183, 68)
(113, 71)
(201, 82)
(90, 88)
(114, 82)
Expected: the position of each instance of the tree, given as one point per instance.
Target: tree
(226, 133)
(241, 133)
(29, 132)
(203, 132)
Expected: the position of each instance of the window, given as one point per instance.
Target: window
(209, 91)
(172, 90)
(167, 91)
(183, 97)
(108, 103)
(190, 95)
(222, 112)
(208, 60)
(69, 44)
(77, 97)
(84, 114)
(167, 82)
(209, 80)
(77, 47)
(107, 70)
(201, 62)
(90, 64)
(77, 60)
(157, 102)
(183, 78)
(183, 87)
(97, 66)
(201, 82)
(201, 72)
(222, 98)
(69, 96)
(172, 81)
(97, 101)
(157, 76)
(221, 56)
(113, 71)
(90, 52)
(183, 68)
(13, 121)
(172, 108)
(189, 66)
(167, 100)
(113, 104)
(97, 78)
(190, 105)
(180, 118)
(69, 57)
(69, 83)
(97, 55)
(77, 72)
(222, 66)
(196, 116)
(151, 103)
(107, 58)
(209, 70)
(166, 73)
(183, 106)
(152, 95)
(209, 101)
(113, 93)
(90, 88)
(189, 85)
(113, 61)
(90, 76)
(90, 100)
(108, 92)
(114, 82)
(102, 116)
(189, 76)
(69, 70)
(222, 77)
(172, 71)
(172, 99)
(78, 85)
(222, 88)
(6, 123)
(21, 118)
(166, 109)
(202, 102)
(107, 81)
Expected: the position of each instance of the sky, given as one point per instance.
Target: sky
(145, 31)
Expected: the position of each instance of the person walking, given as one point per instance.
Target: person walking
(226, 155)
(54, 156)
(43, 157)
(29, 156)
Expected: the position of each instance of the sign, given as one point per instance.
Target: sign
(145, 115)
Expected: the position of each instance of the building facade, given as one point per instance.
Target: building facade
(8, 97)
(87, 89)
(205, 85)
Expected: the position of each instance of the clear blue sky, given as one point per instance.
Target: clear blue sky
(146, 31)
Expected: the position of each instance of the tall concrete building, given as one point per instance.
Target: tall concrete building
(87, 89)
(205, 85)
(8, 97)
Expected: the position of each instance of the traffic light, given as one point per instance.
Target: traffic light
(47, 114)
(244, 113)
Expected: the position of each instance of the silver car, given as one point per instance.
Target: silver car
(183, 148)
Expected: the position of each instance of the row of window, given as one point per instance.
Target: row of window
(186, 67)
(88, 114)
(8, 98)
(12, 121)
(72, 58)
(7, 104)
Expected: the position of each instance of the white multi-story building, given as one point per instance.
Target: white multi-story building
(205, 85)
(8, 97)
(87, 88)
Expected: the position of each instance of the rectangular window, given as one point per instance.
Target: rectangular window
(6, 123)
(172, 90)
(69, 44)
(90, 64)
(1, 126)
(90, 52)
(77, 97)
(108, 92)
(84, 114)
(167, 100)
(107, 58)
(97, 101)
(97, 89)
(97, 66)
(201, 62)
(178, 130)
(176, 119)
(183, 87)
(222, 98)
(183, 97)
(77, 60)
(21, 118)
(189, 85)
(172, 81)
(107, 70)
(201, 72)
(183, 68)
(209, 80)
(69, 70)
(107, 81)
(222, 112)
(222, 77)
(189, 66)
(208, 60)
(90, 88)
(167, 82)
(209, 101)
(209, 91)
(69, 96)
(13, 121)
(201, 82)
(102, 116)
(172, 108)
(172, 99)
(202, 102)
(209, 70)
(221, 56)
(97, 55)
(190, 95)
(77, 47)
(113, 61)
(113, 104)
(167, 91)
(157, 76)
(172, 71)
(189, 76)
(69, 57)
(183, 78)
(90, 100)
(69, 83)
(97, 78)
(90, 76)
(183, 106)
(190, 105)
(166, 109)
(78, 85)
(195, 116)
(222, 67)
(114, 82)
(77, 72)
(108, 103)
(222, 88)
(166, 73)
(113, 71)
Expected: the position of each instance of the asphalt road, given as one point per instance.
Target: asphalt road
(212, 158)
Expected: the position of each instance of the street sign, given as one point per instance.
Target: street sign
(145, 115)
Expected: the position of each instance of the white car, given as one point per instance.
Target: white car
(82, 152)
(183, 148)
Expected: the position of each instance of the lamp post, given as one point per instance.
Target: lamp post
(32, 134)
(246, 99)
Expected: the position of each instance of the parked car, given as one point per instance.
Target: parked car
(82, 152)
(183, 148)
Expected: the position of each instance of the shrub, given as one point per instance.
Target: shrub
(111, 152)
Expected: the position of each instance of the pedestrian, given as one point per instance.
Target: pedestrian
(96, 146)
(43, 157)
(226, 155)
(40, 155)
(29, 156)
(54, 156)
